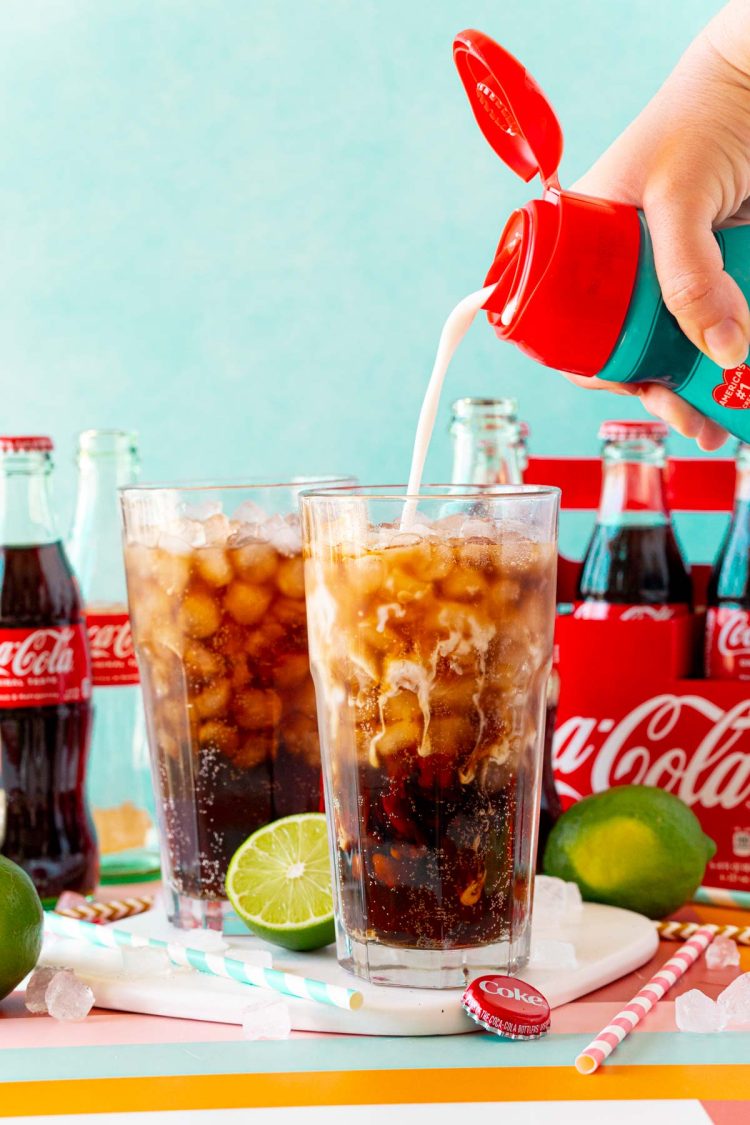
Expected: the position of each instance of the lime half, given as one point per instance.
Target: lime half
(279, 882)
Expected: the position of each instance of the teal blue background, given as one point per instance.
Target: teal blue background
(238, 226)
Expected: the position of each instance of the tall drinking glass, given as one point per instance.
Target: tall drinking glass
(430, 624)
(217, 604)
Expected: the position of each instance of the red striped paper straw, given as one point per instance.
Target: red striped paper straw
(602, 1047)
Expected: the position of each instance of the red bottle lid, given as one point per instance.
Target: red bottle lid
(632, 429)
(565, 267)
(507, 1006)
(25, 444)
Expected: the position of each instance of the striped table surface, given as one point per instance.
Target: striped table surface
(119, 1065)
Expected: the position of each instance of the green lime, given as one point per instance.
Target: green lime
(279, 882)
(21, 925)
(632, 846)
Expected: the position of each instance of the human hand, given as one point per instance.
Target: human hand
(686, 161)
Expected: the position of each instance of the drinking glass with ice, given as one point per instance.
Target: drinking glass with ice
(430, 648)
(217, 604)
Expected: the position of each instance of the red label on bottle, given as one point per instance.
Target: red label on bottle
(112, 655)
(43, 666)
(728, 644)
(605, 611)
(734, 391)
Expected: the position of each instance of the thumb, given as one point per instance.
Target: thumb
(708, 304)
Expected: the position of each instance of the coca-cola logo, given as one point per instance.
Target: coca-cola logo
(734, 635)
(656, 744)
(43, 652)
(647, 613)
(115, 639)
(495, 988)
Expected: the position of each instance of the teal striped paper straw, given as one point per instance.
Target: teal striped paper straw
(719, 896)
(216, 964)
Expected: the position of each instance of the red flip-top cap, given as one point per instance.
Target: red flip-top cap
(565, 267)
(25, 444)
(510, 108)
(632, 429)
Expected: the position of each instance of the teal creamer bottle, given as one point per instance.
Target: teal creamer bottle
(575, 282)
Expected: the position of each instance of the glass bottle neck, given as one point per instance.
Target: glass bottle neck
(26, 512)
(487, 442)
(742, 484)
(633, 484)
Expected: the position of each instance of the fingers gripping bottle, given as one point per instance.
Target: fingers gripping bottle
(728, 599)
(119, 777)
(633, 567)
(574, 276)
(45, 684)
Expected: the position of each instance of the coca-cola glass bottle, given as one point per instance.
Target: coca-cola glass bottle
(633, 567)
(490, 448)
(727, 654)
(488, 441)
(119, 776)
(45, 684)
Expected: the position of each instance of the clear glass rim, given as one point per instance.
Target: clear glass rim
(266, 484)
(433, 492)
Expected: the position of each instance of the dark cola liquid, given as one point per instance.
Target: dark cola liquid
(48, 830)
(434, 856)
(550, 808)
(635, 565)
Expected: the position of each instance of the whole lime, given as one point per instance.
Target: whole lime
(21, 925)
(632, 846)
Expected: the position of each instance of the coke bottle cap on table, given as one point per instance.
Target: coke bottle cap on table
(632, 429)
(507, 1006)
(25, 443)
(566, 264)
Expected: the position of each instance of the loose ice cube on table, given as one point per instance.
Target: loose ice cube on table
(210, 941)
(696, 1012)
(550, 954)
(266, 1017)
(555, 900)
(734, 1001)
(144, 961)
(260, 958)
(68, 998)
(722, 953)
(37, 987)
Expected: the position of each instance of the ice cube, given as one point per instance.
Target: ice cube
(216, 529)
(68, 998)
(696, 1012)
(261, 958)
(547, 953)
(201, 511)
(266, 1017)
(144, 961)
(250, 513)
(555, 900)
(734, 1001)
(37, 987)
(181, 537)
(209, 941)
(284, 535)
(722, 953)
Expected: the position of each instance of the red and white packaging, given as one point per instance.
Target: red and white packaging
(630, 710)
(42, 666)
(112, 654)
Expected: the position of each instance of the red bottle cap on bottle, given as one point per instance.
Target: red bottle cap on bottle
(632, 429)
(25, 444)
(565, 267)
(507, 1006)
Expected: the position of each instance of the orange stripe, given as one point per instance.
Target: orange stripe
(373, 1087)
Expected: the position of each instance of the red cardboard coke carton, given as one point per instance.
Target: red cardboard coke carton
(632, 709)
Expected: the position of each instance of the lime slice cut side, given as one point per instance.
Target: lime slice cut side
(279, 882)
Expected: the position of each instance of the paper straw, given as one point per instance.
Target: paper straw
(719, 896)
(216, 964)
(602, 1047)
(681, 931)
(112, 911)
